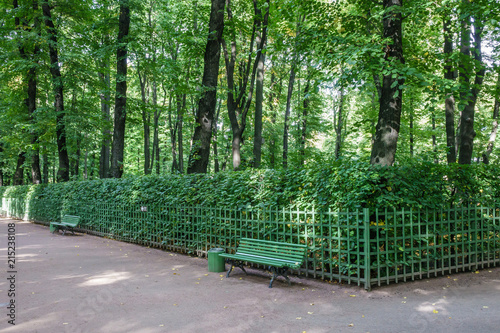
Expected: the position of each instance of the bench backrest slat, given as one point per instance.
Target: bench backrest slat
(293, 253)
(71, 220)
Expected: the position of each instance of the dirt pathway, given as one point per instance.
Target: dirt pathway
(89, 284)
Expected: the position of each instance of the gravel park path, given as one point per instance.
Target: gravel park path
(82, 283)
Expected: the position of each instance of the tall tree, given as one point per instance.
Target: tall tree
(200, 151)
(105, 96)
(291, 81)
(494, 128)
(259, 84)
(57, 84)
(241, 78)
(338, 119)
(389, 118)
(471, 64)
(118, 146)
(449, 106)
(31, 78)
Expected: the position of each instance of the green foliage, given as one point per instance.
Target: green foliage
(340, 185)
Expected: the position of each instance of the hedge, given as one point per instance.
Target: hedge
(339, 185)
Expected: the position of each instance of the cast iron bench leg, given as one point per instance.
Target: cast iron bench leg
(236, 263)
(279, 272)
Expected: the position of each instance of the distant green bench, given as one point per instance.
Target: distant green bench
(278, 256)
(68, 222)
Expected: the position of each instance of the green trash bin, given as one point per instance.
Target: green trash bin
(216, 262)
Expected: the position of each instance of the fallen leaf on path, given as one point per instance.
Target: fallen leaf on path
(435, 311)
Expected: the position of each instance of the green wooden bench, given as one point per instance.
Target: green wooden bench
(68, 222)
(277, 256)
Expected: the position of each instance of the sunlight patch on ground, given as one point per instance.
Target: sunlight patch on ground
(436, 307)
(106, 278)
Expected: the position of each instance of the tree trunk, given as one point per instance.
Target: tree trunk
(494, 129)
(121, 92)
(214, 131)
(259, 98)
(18, 178)
(469, 93)
(63, 172)
(449, 104)
(104, 158)
(173, 136)
(146, 119)
(412, 138)
(274, 99)
(259, 91)
(338, 127)
(180, 122)
(78, 156)
(389, 118)
(85, 165)
(155, 156)
(46, 166)
(200, 151)
(303, 129)
(434, 140)
(291, 81)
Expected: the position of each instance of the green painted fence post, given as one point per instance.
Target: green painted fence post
(366, 224)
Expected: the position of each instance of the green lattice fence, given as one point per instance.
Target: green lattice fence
(364, 247)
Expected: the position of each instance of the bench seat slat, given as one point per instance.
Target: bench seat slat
(263, 260)
(295, 257)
